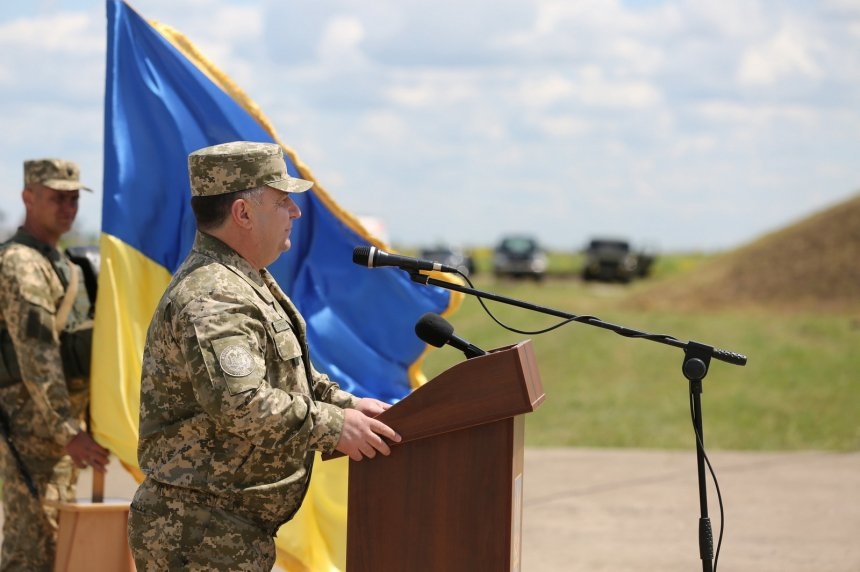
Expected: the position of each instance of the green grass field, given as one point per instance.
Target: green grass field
(799, 389)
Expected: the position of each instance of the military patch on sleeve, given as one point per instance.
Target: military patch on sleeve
(236, 361)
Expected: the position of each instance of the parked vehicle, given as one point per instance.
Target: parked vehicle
(520, 256)
(614, 260)
(448, 256)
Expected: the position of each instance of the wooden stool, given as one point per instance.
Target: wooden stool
(92, 537)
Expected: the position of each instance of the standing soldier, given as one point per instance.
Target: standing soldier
(45, 333)
(231, 408)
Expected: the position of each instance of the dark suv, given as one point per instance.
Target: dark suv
(519, 256)
(613, 260)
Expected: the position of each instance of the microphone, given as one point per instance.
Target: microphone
(436, 331)
(372, 257)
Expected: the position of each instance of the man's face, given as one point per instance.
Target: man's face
(273, 222)
(51, 211)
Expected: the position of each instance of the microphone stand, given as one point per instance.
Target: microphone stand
(697, 358)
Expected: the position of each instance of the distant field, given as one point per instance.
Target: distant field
(799, 389)
(569, 263)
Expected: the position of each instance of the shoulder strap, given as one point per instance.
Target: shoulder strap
(66, 304)
(71, 287)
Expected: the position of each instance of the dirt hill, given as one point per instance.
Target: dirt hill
(813, 264)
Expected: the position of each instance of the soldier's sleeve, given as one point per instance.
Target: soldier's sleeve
(222, 340)
(29, 311)
(330, 392)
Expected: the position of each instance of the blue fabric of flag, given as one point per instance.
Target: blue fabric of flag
(159, 107)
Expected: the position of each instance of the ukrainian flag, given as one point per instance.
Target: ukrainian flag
(163, 99)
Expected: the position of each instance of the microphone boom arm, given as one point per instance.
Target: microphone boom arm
(697, 358)
(722, 355)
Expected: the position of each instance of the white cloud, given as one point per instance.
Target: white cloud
(637, 57)
(597, 90)
(61, 53)
(563, 117)
(66, 33)
(562, 126)
(546, 90)
(385, 127)
(693, 145)
(432, 89)
(758, 115)
(729, 20)
(340, 43)
(783, 56)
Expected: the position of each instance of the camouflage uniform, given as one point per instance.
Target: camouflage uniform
(46, 409)
(231, 409)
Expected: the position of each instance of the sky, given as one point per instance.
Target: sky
(681, 125)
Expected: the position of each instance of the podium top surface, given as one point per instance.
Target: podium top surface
(501, 384)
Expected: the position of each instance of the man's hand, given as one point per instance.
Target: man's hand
(87, 453)
(371, 407)
(363, 436)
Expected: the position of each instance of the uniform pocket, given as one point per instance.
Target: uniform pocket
(285, 341)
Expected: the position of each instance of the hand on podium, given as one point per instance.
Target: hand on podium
(362, 435)
(371, 407)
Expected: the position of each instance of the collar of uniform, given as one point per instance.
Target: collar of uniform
(27, 239)
(210, 246)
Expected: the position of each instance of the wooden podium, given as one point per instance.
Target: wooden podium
(449, 497)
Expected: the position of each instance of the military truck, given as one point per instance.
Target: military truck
(614, 260)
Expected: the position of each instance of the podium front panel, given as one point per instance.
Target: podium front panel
(449, 503)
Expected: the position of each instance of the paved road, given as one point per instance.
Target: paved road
(633, 510)
(624, 510)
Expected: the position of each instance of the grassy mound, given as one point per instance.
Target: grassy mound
(810, 265)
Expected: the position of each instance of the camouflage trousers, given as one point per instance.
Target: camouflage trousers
(29, 524)
(177, 534)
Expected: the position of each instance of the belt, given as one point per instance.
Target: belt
(233, 505)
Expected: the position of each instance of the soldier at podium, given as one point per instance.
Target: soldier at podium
(231, 408)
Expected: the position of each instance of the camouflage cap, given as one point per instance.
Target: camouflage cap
(238, 166)
(57, 174)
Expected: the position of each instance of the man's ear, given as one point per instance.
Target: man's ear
(27, 195)
(240, 211)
